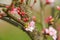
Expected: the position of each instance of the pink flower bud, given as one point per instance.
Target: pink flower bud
(49, 1)
(34, 18)
(58, 7)
(19, 12)
(27, 19)
(48, 19)
(13, 11)
(24, 19)
(18, 8)
(22, 13)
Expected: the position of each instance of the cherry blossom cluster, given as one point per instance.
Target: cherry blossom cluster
(50, 31)
(18, 11)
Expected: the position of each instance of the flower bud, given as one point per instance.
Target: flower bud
(18, 10)
(34, 18)
(24, 19)
(58, 7)
(27, 19)
(22, 13)
(49, 19)
(49, 1)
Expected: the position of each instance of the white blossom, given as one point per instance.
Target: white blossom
(53, 32)
(31, 26)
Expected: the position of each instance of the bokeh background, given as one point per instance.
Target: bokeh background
(10, 32)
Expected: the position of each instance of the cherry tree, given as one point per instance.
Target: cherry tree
(18, 12)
